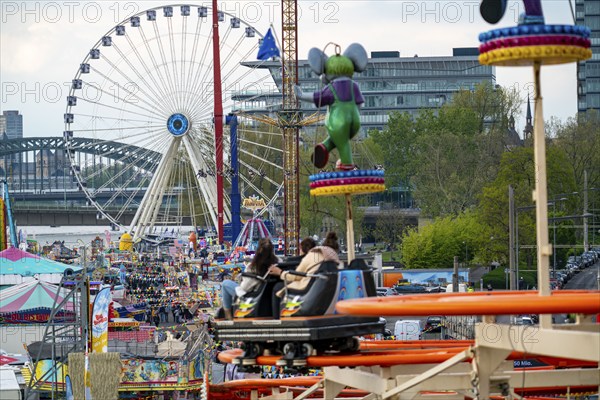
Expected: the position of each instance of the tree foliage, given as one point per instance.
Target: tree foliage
(579, 138)
(435, 244)
(448, 156)
(389, 227)
(517, 168)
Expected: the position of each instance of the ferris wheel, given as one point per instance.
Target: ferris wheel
(139, 122)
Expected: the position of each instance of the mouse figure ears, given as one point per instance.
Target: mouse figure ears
(317, 59)
(492, 11)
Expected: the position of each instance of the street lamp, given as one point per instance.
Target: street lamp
(466, 253)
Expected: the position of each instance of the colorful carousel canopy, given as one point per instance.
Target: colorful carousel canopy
(18, 266)
(33, 294)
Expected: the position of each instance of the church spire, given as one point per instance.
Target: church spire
(528, 121)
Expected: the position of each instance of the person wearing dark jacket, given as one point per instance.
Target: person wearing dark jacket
(263, 259)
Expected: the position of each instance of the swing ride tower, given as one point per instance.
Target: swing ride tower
(289, 115)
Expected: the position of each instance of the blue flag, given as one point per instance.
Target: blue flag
(268, 47)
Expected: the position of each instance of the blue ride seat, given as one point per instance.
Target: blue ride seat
(367, 272)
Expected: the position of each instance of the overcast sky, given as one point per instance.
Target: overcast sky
(43, 42)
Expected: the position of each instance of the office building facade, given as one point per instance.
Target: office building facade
(11, 124)
(588, 72)
(390, 83)
(11, 127)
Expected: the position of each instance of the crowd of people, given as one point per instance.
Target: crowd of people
(144, 281)
(156, 314)
(165, 289)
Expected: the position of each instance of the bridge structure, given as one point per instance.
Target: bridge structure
(45, 191)
(43, 186)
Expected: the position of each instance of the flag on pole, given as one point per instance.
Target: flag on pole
(268, 47)
(100, 321)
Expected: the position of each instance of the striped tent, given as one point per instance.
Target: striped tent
(33, 294)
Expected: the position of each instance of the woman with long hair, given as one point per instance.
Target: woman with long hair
(263, 259)
(328, 251)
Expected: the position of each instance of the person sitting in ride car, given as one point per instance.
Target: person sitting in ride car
(328, 251)
(305, 246)
(264, 257)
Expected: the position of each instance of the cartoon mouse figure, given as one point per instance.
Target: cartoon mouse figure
(342, 97)
(493, 10)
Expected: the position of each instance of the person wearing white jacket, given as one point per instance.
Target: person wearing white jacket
(310, 263)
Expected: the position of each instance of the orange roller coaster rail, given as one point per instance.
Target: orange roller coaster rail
(478, 303)
(395, 357)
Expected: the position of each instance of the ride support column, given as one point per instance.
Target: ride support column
(349, 228)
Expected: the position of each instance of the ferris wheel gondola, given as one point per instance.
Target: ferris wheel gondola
(144, 93)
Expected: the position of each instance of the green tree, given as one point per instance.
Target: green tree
(449, 156)
(389, 227)
(398, 142)
(435, 245)
(517, 169)
(579, 138)
(492, 104)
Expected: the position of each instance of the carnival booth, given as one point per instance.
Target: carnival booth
(19, 266)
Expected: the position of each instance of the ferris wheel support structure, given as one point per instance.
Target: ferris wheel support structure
(148, 210)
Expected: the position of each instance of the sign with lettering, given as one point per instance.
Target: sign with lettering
(254, 203)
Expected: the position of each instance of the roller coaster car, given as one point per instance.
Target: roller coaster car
(308, 324)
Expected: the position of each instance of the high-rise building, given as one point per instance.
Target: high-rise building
(390, 83)
(588, 72)
(11, 124)
(11, 127)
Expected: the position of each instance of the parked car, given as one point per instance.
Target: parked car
(573, 268)
(434, 323)
(524, 320)
(386, 291)
(436, 289)
(409, 289)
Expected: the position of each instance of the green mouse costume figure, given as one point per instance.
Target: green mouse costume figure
(342, 96)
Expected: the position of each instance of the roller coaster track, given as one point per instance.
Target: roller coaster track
(451, 370)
